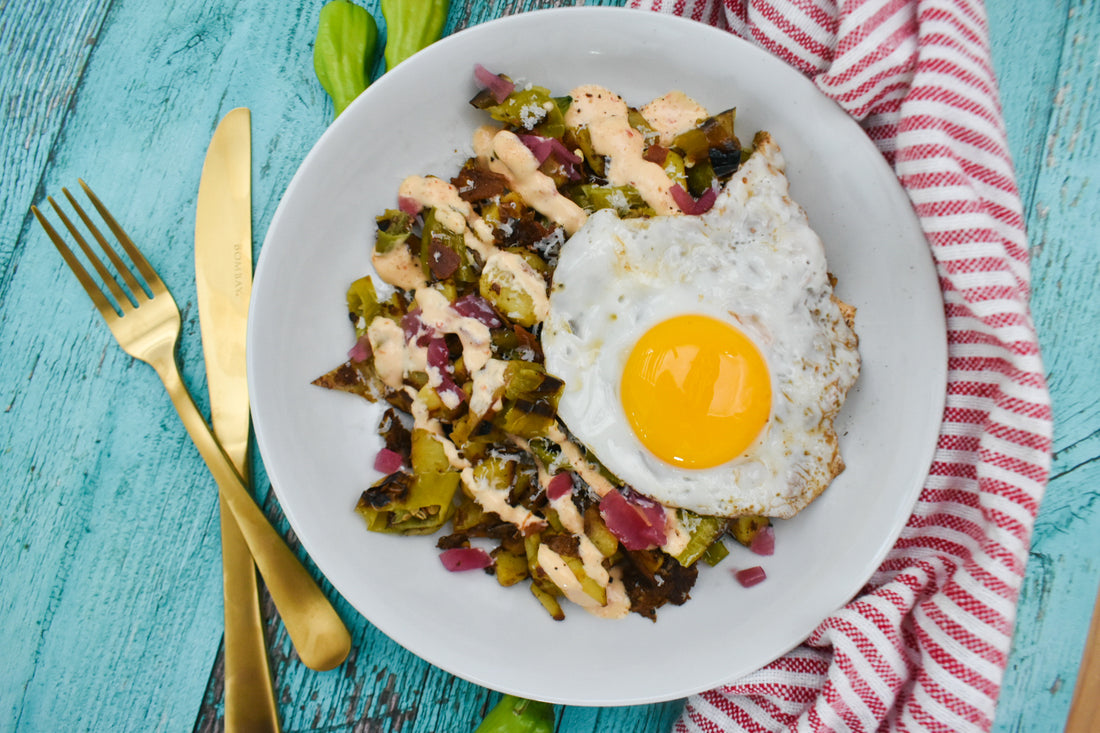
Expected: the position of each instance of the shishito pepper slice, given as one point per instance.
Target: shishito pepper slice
(413, 503)
(343, 51)
(532, 108)
(412, 25)
(363, 303)
(403, 503)
(518, 715)
(704, 532)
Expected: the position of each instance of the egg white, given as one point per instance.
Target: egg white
(752, 261)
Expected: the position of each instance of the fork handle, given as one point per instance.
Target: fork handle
(319, 636)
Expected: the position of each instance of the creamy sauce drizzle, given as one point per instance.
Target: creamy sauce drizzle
(387, 342)
(488, 387)
(673, 114)
(496, 500)
(676, 535)
(508, 156)
(618, 604)
(436, 313)
(457, 215)
(575, 457)
(510, 266)
(591, 557)
(605, 114)
(394, 357)
(571, 519)
(430, 192)
(399, 268)
(451, 211)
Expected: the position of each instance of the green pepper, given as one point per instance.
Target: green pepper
(529, 380)
(363, 303)
(435, 236)
(343, 52)
(404, 503)
(412, 25)
(675, 168)
(548, 454)
(427, 454)
(716, 553)
(532, 109)
(700, 177)
(394, 228)
(639, 123)
(625, 200)
(518, 715)
(530, 400)
(705, 532)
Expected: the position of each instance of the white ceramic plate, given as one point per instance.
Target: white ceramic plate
(318, 446)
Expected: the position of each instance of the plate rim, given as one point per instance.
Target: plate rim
(643, 16)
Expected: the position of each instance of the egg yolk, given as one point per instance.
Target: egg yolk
(696, 391)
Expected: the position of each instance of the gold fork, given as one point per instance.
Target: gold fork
(147, 326)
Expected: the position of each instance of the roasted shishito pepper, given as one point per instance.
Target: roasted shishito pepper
(518, 715)
(344, 50)
(412, 25)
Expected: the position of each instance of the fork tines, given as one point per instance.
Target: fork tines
(134, 292)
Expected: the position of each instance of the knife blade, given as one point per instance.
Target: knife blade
(223, 280)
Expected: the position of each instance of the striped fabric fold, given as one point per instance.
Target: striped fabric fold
(925, 644)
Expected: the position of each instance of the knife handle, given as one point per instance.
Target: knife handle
(249, 695)
(319, 636)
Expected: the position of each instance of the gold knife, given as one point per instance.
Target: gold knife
(223, 278)
(223, 268)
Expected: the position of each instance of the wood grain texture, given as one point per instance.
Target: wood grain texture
(1047, 57)
(110, 596)
(109, 535)
(41, 74)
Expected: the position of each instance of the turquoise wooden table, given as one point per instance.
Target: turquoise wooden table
(110, 592)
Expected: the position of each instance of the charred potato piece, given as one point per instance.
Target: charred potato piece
(509, 567)
(745, 528)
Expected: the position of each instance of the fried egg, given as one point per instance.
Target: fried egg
(705, 358)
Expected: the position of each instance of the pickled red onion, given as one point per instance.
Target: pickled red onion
(763, 543)
(497, 85)
(637, 523)
(474, 306)
(559, 486)
(362, 349)
(690, 205)
(387, 461)
(751, 576)
(458, 559)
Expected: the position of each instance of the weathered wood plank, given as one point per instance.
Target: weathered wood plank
(72, 566)
(1027, 90)
(1053, 117)
(43, 68)
(116, 620)
(108, 529)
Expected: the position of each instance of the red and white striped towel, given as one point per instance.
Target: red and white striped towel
(924, 646)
